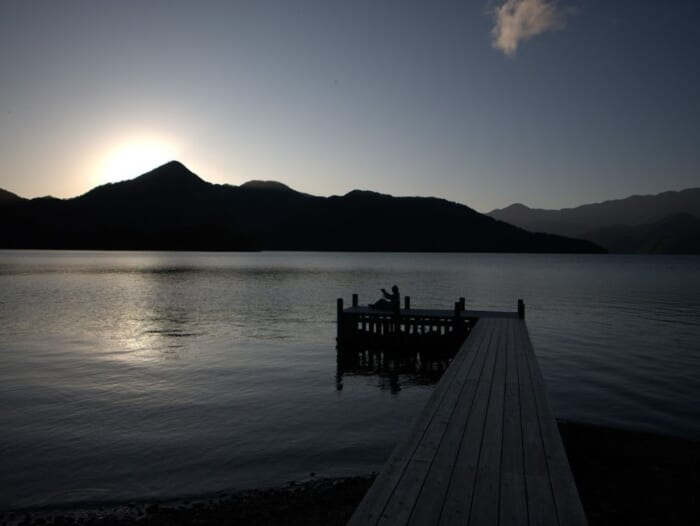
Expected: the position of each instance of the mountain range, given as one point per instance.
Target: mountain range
(171, 208)
(665, 223)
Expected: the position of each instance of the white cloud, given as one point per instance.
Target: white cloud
(518, 20)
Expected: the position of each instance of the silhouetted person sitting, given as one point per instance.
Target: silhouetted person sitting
(390, 301)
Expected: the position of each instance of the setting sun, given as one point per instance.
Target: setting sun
(133, 158)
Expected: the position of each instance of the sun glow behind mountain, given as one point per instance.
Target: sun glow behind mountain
(134, 157)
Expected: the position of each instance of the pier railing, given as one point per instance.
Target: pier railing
(406, 327)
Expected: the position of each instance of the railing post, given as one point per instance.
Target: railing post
(354, 300)
(458, 315)
(521, 309)
(407, 302)
(459, 309)
(339, 309)
(397, 314)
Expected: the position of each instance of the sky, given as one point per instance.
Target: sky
(487, 103)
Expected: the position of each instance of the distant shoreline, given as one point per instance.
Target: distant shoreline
(623, 477)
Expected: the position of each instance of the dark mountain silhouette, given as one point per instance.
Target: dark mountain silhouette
(634, 210)
(267, 185)
(676, 234)
(8, 197)
(601, 222)
(172, 208)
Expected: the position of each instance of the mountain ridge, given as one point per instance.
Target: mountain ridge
(9, 197)
(172, 208)
(674, 234)
(267, 185)
(598, 221)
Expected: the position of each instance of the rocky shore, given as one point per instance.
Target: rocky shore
(624, 477)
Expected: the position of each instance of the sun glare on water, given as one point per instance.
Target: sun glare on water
(131, 159)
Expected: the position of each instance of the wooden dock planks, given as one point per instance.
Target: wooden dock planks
(485, 450)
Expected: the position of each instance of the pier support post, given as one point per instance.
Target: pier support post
(354, 300)
(462, 304)
(521, 309)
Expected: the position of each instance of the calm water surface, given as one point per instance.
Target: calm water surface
(129, 375)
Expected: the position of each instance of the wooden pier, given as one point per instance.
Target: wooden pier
(364, 325)
(486, 449)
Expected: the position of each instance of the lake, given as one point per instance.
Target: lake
(129, 375)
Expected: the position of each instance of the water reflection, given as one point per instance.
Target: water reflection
(156, 317)
(394, 368)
